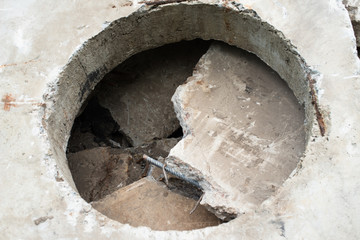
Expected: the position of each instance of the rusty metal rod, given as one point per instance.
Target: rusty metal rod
(170, 170)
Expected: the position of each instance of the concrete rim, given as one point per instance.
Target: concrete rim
(99, 55)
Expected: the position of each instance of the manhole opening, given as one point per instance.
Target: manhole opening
(129, 114)
(154, 27)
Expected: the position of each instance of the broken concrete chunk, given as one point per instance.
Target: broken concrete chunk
(244, 128)
(164, 209)
(81, 141)
(95, 127)
(138, 92)
(101, 170)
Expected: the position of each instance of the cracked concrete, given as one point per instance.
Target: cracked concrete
(244, 129)
(50, 63)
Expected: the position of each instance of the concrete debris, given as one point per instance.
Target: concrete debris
(150, 203)
(80, 141)
(95, 127)
(138, 92)
(99, 171)
(243, 128)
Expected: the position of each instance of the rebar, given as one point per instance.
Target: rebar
(172, 171)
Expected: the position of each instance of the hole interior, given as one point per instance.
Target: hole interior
(136, 33)
(100, 165)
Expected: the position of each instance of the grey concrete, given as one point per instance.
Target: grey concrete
(150, 203)
(54, 53)
(244, 129)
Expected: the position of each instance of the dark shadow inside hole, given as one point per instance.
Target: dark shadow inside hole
(178, 133)
(95, 127)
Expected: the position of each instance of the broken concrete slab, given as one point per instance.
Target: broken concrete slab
(138, 91)
(99, 171)
(244, 129)
(150, 203)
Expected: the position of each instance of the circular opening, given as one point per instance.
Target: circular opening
(137, 33)
(130, 113)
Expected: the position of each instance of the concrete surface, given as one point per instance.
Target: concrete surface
(54, 53)
(152, 204)
(244, 128)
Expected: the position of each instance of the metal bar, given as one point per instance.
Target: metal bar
(170, 170)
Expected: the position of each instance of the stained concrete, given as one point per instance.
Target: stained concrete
(49, 63)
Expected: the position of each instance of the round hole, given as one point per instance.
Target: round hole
(148, 29)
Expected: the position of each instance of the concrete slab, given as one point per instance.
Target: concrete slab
(150, 203)
(244, 129)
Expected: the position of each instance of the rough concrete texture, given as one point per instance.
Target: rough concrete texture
(138, 92)
(96, 173)
(353, 8)
(244, 129)
(150, 203)
(95, 127)
(100, 171)
(49, 63)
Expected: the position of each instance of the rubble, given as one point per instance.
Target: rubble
(244, 129)
(138, 91)
(95, 127)
(99, 171)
